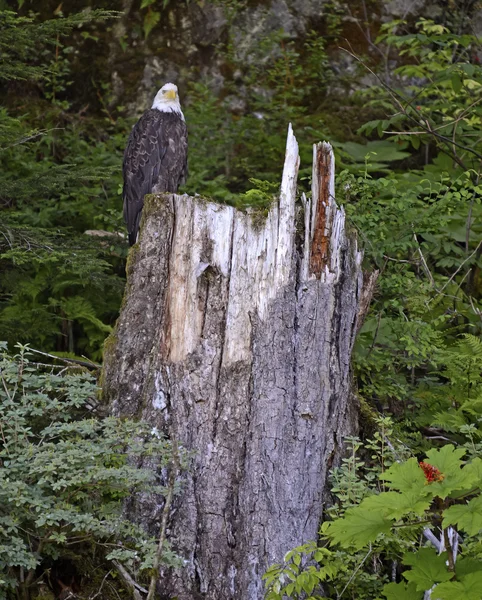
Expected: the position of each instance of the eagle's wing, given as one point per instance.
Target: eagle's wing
(142, 158)
(155, 159)
(173, 166)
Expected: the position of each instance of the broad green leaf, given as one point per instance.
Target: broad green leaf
(468, 588)
(428, 568)
(448, 461)
(456, 82)
(464, 566)
(289, 588)
(395, 505)
(474, 471)
(307, 582)
(466, 516)
(358, 528)
(401, 591)
(406, 477)
(467, 68)
(383, 151)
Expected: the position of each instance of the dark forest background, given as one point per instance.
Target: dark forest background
(396, 87)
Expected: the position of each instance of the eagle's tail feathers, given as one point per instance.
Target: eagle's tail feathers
(135, 231)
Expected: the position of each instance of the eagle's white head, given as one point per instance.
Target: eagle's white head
(167, 99)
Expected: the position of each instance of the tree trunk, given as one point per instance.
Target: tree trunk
(236, 335)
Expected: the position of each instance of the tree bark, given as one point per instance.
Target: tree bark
(236, 335)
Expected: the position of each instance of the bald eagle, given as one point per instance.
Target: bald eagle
(155, 159)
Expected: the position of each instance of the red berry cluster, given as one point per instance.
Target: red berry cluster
(431, 473)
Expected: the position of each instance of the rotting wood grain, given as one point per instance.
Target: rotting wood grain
(320, 246)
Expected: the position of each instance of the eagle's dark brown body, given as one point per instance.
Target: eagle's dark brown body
(155, 160)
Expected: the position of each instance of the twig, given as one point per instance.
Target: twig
(31, 137)
(134, 586)
(443, 126)
(368, 289)
(477, 311)
(462, 281)
(165, 514)
(398, 98)
(399, 260)
(6, 390)
(469, 216)
(424, 262)
(8, 241)
(468, 223)
(376, 332)
(460, 266)
(355, 572)
(101, 586)
(84, 363)
(392, 448)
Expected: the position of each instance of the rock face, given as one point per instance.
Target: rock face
(235, 337)
(184, 45)
(208, 41)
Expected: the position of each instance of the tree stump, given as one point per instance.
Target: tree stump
(236, 336)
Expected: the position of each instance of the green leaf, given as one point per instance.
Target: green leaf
(428, 568)
(358, 528)
(406, 477)
(474, 469)
(384, 150)
(466, 516)
(468, 588)
(464, 566)
(395, 505)
(415, 139)
(151, 19)
(456, 82)
(401, 591)
(289, 588)
(448, 461)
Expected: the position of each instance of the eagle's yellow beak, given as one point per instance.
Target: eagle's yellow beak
(170, 94)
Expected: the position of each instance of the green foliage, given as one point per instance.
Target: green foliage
(411, 497)
(60, 289)
(445, 109)
(389, 526)
(401, 591)
(421, 229)
(246, 132)
(153, 16)
(64, 471)
(414, 230)
(457, 402)
(428, 568)
(22, 39)
(470, 588)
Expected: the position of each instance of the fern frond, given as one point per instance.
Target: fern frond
(473, 344)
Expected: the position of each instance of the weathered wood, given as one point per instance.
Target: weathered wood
(236, 336)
